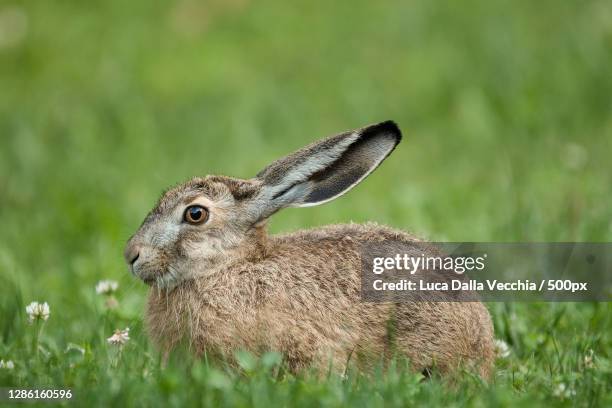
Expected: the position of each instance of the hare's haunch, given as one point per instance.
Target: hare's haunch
(220, 282)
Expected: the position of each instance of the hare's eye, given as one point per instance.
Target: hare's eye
(195, 214)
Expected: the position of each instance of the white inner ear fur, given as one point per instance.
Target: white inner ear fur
(383, 151)
(311, 165)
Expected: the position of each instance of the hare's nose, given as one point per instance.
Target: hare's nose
(132, 253)
(135, 258)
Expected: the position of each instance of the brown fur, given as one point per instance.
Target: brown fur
(309, 308)
(225, 284)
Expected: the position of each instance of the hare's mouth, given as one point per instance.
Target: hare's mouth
(149, 281)
(145, 273)
(159, 279)
(166, 279)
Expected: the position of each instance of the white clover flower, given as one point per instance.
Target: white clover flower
(120, 337)
(8, 364)
(559, 390)
(502, 349)
(562, 391)
(38, 311)
(106, 287)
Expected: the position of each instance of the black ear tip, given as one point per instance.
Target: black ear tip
(390, 126)
(387, 127)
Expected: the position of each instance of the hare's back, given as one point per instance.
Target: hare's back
(331, 254)
(360, 233)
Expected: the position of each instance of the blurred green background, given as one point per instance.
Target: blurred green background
(505, 108)
(506, 111)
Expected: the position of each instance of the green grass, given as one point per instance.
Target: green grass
(506, 110)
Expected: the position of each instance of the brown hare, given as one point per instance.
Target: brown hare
(221, 283)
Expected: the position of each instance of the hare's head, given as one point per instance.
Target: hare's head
(205, 221)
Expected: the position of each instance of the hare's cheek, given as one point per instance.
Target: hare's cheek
(199, 247)
(197, 250)
(187, 246)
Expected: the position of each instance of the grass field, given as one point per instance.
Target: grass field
(506, 110)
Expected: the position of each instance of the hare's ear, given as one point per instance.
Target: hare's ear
(326, 169)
